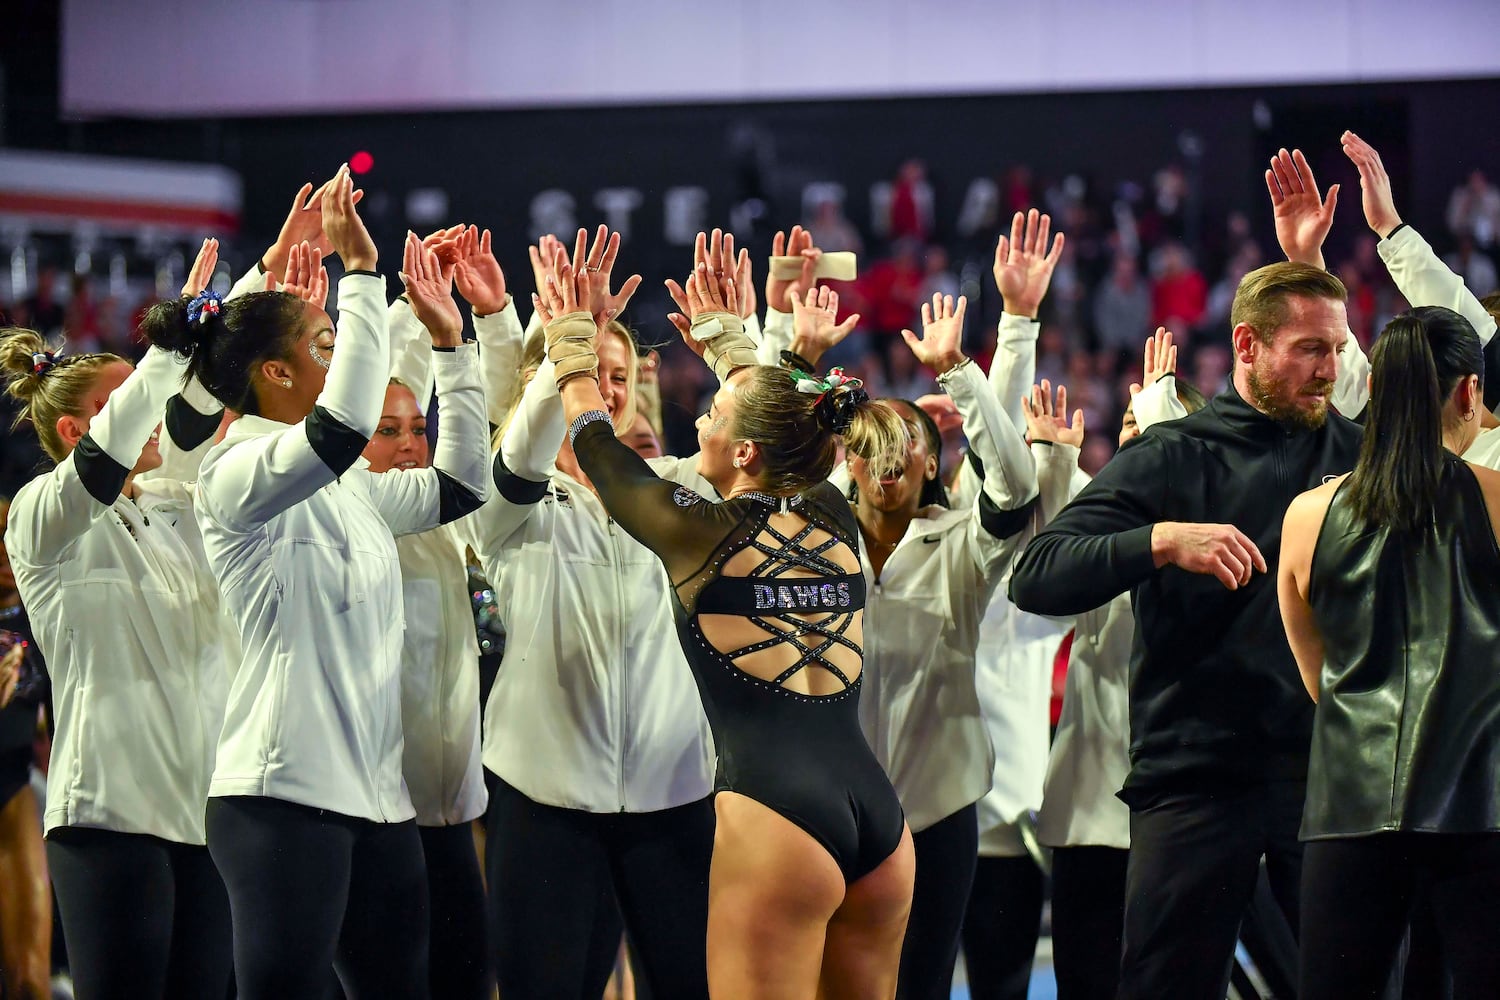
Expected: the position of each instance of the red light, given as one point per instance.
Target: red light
(361, 162)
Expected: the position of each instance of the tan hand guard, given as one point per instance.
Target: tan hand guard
(570, 345)
(725, 344)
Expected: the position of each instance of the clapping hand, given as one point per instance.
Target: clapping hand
(305, 224)
(706, 291)
(942, 333)
(202, 272)
(779, 291)
(1303, 217)
(1374, 185)
(306, 277)
(429, 289)
(1046, 421)
(1024, 264)
(541, 254)
(564, 290)
(346, 233)
(477, 273)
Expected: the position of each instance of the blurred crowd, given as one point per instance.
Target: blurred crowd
(1135, 259)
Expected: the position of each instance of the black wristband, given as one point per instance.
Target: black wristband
(1399, 226)
(791, 359)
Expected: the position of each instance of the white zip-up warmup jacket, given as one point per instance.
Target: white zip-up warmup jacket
(594, 707)
(919, 707)
(1090, 753)
(1014, 677)
(439, 653)
(300, 541)
(125, 610)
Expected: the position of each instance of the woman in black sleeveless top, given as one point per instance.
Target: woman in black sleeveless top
(1390, 592)
(811, 878)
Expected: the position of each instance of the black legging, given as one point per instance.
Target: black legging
(459, 966)
(1357, 895)
(1088, 920)
(560, 880)
(312, 890)
(946, 854)
(1001, 925)
(144, 917)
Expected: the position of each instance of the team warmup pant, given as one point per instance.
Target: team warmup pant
(560, 880)
(311, 890)
(946, 854)
(1001, 925)
(1194, 860)
(459, 965)
(1088, 920)
(144, 917)
(1358, 895)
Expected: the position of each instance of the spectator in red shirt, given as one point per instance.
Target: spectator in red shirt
(1179, 294)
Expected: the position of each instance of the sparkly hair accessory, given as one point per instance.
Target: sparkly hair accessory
(834, 410)
(206, 303)
(43, 360)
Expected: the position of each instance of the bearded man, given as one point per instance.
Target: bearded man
(1188, 518)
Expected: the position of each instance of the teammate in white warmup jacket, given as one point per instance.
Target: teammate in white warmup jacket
(309, 819)
(112, 573)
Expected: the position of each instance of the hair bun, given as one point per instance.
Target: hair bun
(181, 325)
(836, 408)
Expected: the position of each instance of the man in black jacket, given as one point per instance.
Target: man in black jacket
(1184, 518)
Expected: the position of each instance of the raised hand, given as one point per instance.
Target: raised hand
(780, 290)
(1218, 550)
(1048, 422)
(744, 281)
(599, 260)
(429, 289)
(942, 333)
(571, 331)
(706, 290)
(815, 326)
(1024, 263)
(346, 233)
(1303, 217)
(306, 277)
(305, 224)
(445, 243)
(1374, 185)
(477, 274)
(201, 274)
(1161, 356)
(542, 254)
(564, 291)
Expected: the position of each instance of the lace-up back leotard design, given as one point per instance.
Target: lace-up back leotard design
(803, 755)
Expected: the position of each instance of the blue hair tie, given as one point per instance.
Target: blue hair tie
(206, 303)
(41, 361)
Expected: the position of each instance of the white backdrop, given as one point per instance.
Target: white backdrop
(195, 57)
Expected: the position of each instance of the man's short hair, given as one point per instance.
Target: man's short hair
(1261, 300)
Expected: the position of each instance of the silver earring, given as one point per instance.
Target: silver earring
(739, 463)
(287, 382)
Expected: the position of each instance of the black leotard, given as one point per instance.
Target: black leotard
(804, 756)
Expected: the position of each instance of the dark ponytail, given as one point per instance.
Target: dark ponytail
(1418, 361)
(224, 348)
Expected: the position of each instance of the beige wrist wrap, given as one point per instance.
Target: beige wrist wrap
(570, 346)
(725, 345)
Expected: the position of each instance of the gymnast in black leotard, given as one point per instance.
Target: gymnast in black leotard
(811, 878)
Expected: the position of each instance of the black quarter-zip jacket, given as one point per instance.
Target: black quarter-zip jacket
(1214, 690)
